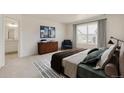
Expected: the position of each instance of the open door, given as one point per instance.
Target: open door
(11, 38)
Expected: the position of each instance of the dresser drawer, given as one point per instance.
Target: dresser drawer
(47, 47)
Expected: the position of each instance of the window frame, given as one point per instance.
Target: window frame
(87, 32)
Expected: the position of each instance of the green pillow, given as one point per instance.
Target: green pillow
(92, 50)
(93, 57)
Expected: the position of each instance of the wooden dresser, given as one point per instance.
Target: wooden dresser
(47, 47)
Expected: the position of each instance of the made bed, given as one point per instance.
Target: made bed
(100, 63)
(70, 63)
(57, 58)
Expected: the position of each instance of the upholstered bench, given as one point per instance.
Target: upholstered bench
(87, 71)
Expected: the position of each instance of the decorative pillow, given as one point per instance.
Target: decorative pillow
(93, 57)
(106, 56)
(92, 50)
(121, 60)
(111, 70)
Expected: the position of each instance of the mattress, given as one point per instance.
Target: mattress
(70, 63)
(56, 61)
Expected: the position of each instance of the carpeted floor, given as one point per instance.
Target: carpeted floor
(43, 66)
(24, 67)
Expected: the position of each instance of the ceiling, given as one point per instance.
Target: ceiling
(64, 18)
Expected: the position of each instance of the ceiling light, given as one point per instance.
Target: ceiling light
(12, 25)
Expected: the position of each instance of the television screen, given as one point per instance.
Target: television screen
(47, 32)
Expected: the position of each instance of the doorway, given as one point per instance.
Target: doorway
(11, 39)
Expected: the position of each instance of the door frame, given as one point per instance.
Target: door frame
(4, 27)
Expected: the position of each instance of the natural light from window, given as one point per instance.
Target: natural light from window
(86, 34)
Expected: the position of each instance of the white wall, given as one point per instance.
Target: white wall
(30, 33)
(2, 53)
(69, 31)
(115, 27)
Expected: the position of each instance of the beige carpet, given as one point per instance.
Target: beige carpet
(22, 67)
(44, 67)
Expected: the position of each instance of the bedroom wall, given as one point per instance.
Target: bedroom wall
(69, 31)
(115, 27)
(30, 33)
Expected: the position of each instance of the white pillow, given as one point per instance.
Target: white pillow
(121, 60)
(106, 56)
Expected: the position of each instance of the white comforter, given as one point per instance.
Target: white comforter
(70, 63)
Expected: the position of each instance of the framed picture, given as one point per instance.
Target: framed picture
(47, 32)
(51, 32)
(44, 31)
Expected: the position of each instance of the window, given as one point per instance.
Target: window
(86, 33)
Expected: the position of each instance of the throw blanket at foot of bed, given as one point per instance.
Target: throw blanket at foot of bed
(70, 64)
(56, 62)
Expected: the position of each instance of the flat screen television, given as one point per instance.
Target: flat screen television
(47, 32)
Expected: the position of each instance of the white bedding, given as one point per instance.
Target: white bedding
(70, 63)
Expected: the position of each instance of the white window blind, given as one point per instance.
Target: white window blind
(86, 34)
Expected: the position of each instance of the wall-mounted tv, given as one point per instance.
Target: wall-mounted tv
(47, 32)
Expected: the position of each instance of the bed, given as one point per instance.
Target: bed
(70, 64)
(57, 58)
